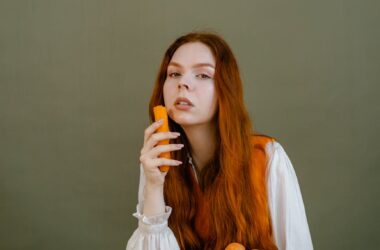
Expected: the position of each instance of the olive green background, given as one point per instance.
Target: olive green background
(75, 81)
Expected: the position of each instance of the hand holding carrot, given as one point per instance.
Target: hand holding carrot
(151, 151)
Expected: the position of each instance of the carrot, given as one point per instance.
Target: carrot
(160, 113)
(235, 246)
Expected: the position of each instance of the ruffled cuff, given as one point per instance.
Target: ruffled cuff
(152, 224)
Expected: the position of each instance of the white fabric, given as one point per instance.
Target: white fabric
(289, 222)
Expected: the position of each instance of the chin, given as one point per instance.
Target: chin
(182, 121)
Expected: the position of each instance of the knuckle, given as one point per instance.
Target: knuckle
(154, 150)
(162, 161)
(155, 137)
(162, 148)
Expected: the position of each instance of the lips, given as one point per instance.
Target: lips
(183, 101)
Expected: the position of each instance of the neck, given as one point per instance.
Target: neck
(202, 140)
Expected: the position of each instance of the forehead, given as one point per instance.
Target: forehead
(193, 53)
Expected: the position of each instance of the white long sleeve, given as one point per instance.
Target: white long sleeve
(289, 222)
(152, 232)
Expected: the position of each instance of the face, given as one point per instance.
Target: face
(189, 88)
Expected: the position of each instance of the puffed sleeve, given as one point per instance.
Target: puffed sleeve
(289, 222)
(152, 232)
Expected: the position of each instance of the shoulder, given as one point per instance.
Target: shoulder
(261, 139)
(259, 153)
(263, 143)
(260, 143)
(270, 150)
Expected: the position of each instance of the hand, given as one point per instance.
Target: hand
(149, 157)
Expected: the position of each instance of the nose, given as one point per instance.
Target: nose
(183, 85)
(185, 82)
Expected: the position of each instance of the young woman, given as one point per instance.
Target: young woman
(226, 183)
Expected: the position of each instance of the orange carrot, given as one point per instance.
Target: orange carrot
(235, 246)
(160, 113)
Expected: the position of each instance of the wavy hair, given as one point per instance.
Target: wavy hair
(237, 207)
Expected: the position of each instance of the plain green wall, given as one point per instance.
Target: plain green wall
(75, 81)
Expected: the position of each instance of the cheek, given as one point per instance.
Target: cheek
(168, 93)
(208, 98)
(165, 90)
(213, 103)
(211, 95)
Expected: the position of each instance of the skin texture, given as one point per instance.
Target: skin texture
(153, 195)
(188, 76)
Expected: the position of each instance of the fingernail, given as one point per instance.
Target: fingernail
(180, 145)
(160, 121)
(176, 133)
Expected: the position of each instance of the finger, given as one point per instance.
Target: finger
(167, 162)
(147, 156)
(156, 151)
(153, 164)
(150, 130)
(156, 137)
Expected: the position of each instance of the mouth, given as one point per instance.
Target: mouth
(183, 104)
(181, 101)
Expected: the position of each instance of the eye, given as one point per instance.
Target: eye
(203, 76)
(174, 74)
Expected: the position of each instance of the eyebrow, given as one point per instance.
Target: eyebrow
(198, 65)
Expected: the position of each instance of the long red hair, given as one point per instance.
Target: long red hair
(236, 195)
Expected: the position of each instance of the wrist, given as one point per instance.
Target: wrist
(154, 200)
(154, 188)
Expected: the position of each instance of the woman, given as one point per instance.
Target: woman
(225, 184)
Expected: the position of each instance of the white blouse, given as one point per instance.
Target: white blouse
(289, 222)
